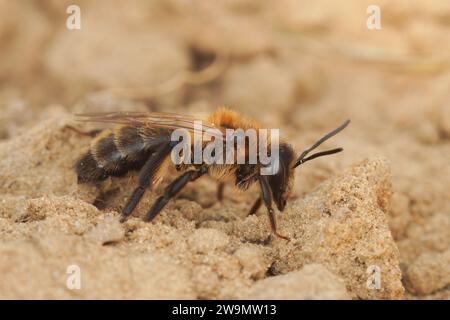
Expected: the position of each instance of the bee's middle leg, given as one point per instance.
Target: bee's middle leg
(172, 190)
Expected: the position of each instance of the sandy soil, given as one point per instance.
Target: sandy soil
(380, 208)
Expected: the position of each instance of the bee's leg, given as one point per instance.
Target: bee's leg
(255, 206)
(220, 188)
(266, 196)
(172, 190)
(90, 133)
(146, 176)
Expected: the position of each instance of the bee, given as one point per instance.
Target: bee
(142, 141)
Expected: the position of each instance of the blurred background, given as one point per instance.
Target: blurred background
(301, 66)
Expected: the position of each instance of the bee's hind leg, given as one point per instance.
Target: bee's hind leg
(173, 189)
(146, 177)
(266, 196)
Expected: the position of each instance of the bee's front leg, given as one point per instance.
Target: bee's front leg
(266, 196)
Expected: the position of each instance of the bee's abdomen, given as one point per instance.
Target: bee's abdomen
(88, 170)
(114, 154)
(128, 140)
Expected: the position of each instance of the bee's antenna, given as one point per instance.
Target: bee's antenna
(303, 158)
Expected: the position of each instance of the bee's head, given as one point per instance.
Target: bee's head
(281, 182)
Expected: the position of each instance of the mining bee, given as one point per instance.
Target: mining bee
(142, 141)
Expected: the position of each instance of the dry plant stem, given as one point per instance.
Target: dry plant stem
(181, 79)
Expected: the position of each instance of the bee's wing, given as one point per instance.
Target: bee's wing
(171, 121)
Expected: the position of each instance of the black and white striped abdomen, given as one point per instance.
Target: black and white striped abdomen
(114, 153)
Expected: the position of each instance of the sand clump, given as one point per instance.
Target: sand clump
(343, 225)
(428, 273)
(313, 281)
(41, 264)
